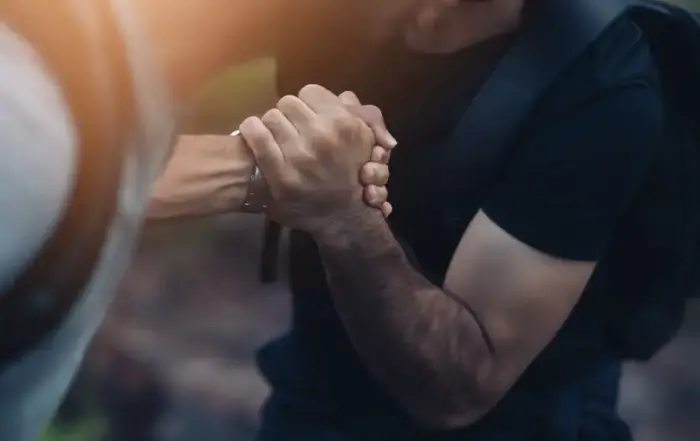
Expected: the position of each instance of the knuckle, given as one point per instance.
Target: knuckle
(350, 97)
(367, 174)
(310, 90)
(321, 133)
(287, 102)
(366, 135)
(248, 126)
(372, 114)
(286, 182)
(382, 174)
(377, 154)
(272, 117)
(372, 196)
(272, 114)
(380, 155)
(373, 111)
(257, 138)
(305, 159)
(290, 186)
(372, 173)
(253, 132)
(344, 125)
(384, 156)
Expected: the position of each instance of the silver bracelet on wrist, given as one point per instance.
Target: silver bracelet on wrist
(255, 201)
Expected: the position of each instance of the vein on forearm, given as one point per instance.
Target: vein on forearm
(206, 175)
(426, 346)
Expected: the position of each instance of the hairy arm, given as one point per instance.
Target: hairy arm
(449, 354)
(414, 337)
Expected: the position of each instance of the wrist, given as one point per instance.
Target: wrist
(341, 226)
(257, 194)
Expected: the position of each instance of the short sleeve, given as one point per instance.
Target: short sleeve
(568, 182)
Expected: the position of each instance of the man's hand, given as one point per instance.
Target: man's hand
(311, 149)
(375, 174)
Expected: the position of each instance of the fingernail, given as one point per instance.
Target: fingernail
(392, 141)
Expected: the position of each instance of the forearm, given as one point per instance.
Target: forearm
(425, 347)
(206, 175)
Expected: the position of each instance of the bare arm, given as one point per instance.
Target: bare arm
(206, 175)
(449, 354)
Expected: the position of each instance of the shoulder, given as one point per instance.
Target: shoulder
(585, 151)
(603, 107)
(621, 58)
(38, 154)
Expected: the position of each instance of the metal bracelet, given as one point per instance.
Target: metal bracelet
(256, 200)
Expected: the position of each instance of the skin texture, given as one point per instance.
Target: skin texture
(447, 354)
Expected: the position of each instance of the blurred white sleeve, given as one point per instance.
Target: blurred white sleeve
(38, 148)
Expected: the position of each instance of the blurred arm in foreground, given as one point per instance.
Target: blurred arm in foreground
(88, 94)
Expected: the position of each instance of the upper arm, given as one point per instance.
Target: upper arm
(526, 258)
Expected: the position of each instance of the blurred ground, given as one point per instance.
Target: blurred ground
(195, 311)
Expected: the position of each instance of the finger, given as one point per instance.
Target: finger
(284, 132)
(371, 116)
(387, 209)
(296, 111)
(380, 155)
(370, 196)
(375, 196)
(373, 173)
(374, 118)
(322, 100)
(261, 142)
(349, 99)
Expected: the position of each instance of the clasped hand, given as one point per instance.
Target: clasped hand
(324, 157)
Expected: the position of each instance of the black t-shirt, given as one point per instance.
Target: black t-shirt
(582, 172)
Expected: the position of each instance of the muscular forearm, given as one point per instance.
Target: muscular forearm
(206, 175)
(420, 342)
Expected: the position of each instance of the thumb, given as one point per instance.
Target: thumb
(349, 99)
(372, 116)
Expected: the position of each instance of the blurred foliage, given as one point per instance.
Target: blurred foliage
(690, 4)
(232, 96)
(92, 429)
